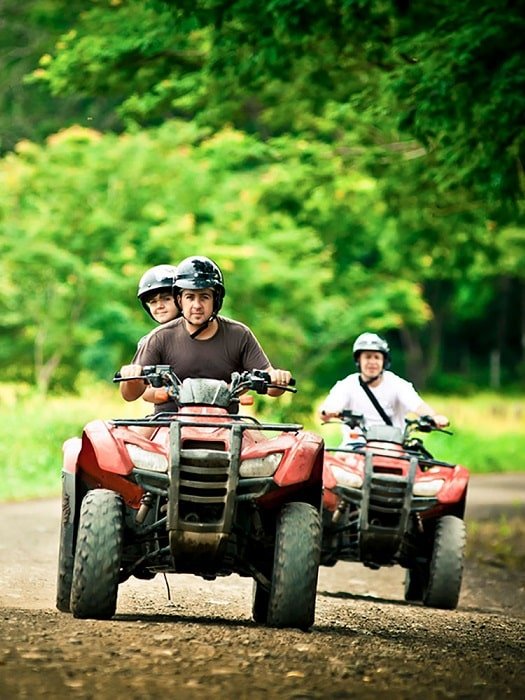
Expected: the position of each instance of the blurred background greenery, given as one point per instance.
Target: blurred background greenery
(350, 164)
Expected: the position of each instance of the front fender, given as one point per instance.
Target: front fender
(109, 451)
(101, 460)
(454, 490)
(303, 461)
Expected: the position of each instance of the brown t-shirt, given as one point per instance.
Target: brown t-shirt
(234, 348)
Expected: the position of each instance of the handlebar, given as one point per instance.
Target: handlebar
(254, 380)
(352, 420)
(423, 424)
(155, 375)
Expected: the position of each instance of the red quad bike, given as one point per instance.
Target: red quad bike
(210, 493)
(388, 502)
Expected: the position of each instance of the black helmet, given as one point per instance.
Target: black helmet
(199, 272)
(153, 280)
(373, 343)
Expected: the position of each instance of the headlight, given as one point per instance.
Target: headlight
(261, 466)
(347, 478)
(150, 461)
(428, 488)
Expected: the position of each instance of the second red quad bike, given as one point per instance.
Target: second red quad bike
(209, 492)
(388, 502)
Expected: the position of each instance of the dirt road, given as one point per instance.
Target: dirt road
(366, 643)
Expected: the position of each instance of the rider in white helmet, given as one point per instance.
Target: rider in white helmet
(394, 396)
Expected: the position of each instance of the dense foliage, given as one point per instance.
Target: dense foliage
(350, 164)
(452, 75)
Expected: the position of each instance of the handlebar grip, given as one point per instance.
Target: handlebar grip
(119, 378)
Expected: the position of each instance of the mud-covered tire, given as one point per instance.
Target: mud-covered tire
(260, 602)
(446, 565)
(296, 567)
(66, 556)
(97, 556)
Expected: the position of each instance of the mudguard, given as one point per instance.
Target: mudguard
(303, 460)
(103, 460)
(455, 487)
(108, 444)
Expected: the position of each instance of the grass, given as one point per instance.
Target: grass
(489, 433)
(32, 431)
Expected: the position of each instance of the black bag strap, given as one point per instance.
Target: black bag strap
(376, 403)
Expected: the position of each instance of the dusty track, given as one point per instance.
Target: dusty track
(366, 643)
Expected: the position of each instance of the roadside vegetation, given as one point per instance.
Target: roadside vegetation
(32, 431)
(498, 544)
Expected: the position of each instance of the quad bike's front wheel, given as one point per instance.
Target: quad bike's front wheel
(296, 567)
(445, 571)
(97, 556)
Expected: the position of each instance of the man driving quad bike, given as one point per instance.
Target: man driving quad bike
(386, 500)
(200, 343)
(379, 395)
(209, 491)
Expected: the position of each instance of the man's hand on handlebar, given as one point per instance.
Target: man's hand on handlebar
(327, 416)
(279, 377)
(440, 421)
(135, 387)
(130, 371)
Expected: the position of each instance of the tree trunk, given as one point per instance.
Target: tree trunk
(44, 368)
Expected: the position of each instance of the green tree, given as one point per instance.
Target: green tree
(85, 214)
(340, 160)
(28, 31)
(451, 75)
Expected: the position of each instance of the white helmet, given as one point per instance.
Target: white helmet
(373, 343)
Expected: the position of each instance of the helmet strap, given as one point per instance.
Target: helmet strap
(202, 327)
(371, 380)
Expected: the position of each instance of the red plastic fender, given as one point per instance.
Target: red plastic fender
(110, 454)
(301, 460)
(108, 443)
(349, 461)
(103, 461)
(454, 489)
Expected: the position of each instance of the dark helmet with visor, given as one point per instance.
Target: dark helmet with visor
(373, 343)
(157, 278)
(199, 272)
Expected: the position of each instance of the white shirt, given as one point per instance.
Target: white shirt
(396, 396)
